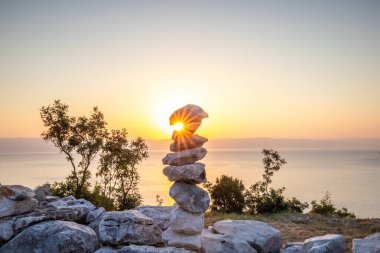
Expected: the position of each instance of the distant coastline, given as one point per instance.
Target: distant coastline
(28, 145)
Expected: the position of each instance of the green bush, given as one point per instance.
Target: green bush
(263, 199)
(227, 195)
(326, 207)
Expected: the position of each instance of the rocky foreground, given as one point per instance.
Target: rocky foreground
(35, 221)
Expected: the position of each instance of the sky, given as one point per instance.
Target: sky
(281, 69)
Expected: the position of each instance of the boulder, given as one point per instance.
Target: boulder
(10, 207)
(42, 192)
(185, 222)
(94, 225)
(6, 230)
(71, 202)
(188, 114)
(324, 244)
(184, 157)
(370, 244)
(53, 236)
(261, 236)
(16, 192)
(192, 173)
(117, 228)
(143, 249)
(159, 214)
(174, 239)
(183, 141)
(92, 215)
(216, 243)
(292, 247)
(190, 197)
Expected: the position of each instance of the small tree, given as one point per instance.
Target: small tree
(83, 136)
(118, 161)
(263, 199)
(227, 195)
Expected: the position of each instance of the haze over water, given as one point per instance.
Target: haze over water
(350, 174)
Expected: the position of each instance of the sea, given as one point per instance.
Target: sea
(350, 174)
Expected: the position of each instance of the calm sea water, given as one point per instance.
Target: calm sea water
(352, 176)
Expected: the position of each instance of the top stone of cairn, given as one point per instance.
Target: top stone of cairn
(190, 116)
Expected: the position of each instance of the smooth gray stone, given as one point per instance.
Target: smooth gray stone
(324, 244)
(192, 173)
(184, 141)
(53, 236)
(159, 214)
(42, 192)
(370, 244)
(262, 236)
(190, 197)
(123, 227)
(185, 222)
(184, 157)
(179, 240)
(217, 243)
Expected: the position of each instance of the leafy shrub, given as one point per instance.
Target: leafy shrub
(326, 207)
(262, 199)
(227, 195)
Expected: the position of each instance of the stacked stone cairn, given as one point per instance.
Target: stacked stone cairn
(187, 219)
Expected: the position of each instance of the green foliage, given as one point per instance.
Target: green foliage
(84, 138)
(227, 195)
(326, 207)
(262, 199)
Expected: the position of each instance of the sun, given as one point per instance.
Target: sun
(177, 126)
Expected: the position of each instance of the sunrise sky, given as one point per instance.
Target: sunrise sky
(282, 69)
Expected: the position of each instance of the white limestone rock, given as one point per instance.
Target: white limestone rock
(217, 243)
(185, 222)
(262, 236)
(94, 214)
(179, 240)
(118, 228)
(332, 243)
(159, 214)
(53, 236)
(10, 207)
(370, 244)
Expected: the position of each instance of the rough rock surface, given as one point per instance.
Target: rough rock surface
(185, 222)
(117, 228)
(174, 239)
(183, 141)
(53, 236)
(159, 214)
(190, 197)
(370, 244)
(9, 207)
(42, 192)
(324, 244)
(184, 157)
(94, 214)
(16, 192)
(71, 202)
(191, 173)
(262, 236)
(6, 230)
(293, 247)
(143, 249)
(217, 243)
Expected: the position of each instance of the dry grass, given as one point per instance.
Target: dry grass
(298, 227)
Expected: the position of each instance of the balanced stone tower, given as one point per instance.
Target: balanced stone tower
(187, 220)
